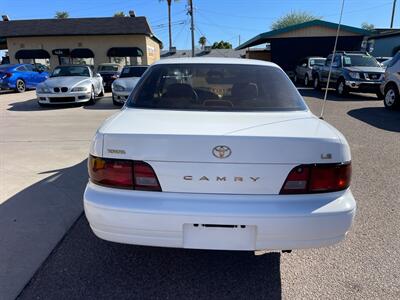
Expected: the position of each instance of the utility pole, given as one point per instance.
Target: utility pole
(393, 11)
(191, 23)
(239, 40)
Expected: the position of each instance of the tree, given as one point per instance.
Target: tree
(202, 41)
(61, 15)
(169, 2)
(119, 14)
(221, 45)
(293, 18)
(367, 26)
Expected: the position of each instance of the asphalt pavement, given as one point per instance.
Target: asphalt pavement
(365, 266)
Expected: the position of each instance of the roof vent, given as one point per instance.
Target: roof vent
(172, 50)
(5, 18)
(207, 49)
(132, 13)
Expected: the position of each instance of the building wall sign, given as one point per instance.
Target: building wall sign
(61, 52)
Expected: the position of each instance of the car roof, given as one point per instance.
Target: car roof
(109, 64)
(215, 60)
(136, 66)
(74, 65)
(11, 66)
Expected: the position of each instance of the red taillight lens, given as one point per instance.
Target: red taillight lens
(319, 178)
(5, 75)
(111, 172)
(145, 178)
(122, 174)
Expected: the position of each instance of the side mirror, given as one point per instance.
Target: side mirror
(98, 75)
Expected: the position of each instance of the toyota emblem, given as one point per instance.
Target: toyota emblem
(221, 151)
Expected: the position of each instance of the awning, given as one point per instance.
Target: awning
(82, 53)
(124, 52)
(32, 54)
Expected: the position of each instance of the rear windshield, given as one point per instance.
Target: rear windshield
(71, 71)
(317, 61)
(108, 68)
(133, 71)
(360, 61)
(216, 87)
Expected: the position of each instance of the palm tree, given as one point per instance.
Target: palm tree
(61, 15)
(169, 2)
(119, 14)
(202, 41)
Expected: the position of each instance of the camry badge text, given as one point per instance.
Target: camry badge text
(222, 178)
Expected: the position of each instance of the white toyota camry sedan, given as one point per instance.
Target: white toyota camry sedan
(212, 153)
(70, 84)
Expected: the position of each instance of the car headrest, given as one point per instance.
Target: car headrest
(179, 90)
(244, 91)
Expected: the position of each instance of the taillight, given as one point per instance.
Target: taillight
(6, 75)
(317, 178)
(124, 174)
(145, 178)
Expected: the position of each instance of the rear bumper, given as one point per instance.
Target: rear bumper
(274, 222)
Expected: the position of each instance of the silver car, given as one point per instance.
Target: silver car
(124, 85)
(70, 84)
(303, 72)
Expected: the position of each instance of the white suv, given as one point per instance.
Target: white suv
(391, 86)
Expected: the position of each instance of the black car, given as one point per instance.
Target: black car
(351, 72)
(109, 72)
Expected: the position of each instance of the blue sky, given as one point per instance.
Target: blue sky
(216, 19)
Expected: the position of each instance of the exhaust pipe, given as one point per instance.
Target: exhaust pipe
(262, 252)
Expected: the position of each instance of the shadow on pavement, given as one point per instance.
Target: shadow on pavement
(5, 92)
(310, 92)
(85, 267)
(32, 105)
(378, 117)
(33, 221)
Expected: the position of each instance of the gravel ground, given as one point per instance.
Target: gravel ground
(365, 266)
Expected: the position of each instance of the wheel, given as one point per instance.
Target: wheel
(20, 86)
(316, 84)
(116, 103)
(101, 94)
(92, 100)
(306, 80)
(341, 88)
(392, 98)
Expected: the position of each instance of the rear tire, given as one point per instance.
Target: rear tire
(116, 103)
(101, 94)
(380, 95)
(341, 89)
(306, 80)
(20, 86)
(92, 100)
(392, 97)
(42, 104)
(316, 83)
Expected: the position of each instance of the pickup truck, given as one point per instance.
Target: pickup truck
(351, 72)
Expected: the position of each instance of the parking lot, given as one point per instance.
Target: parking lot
(43, 175)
